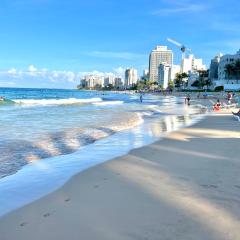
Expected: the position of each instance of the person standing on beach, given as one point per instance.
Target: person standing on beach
(187, 99)
(141, 98)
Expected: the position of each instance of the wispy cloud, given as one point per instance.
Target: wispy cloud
(119, 55)
(181, 6)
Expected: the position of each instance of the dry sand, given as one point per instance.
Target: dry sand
(186, 186)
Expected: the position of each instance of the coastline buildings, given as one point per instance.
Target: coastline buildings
(224, 79)
(131, 77)
(91, 81)
(160, 55)
(96, 81)
(192, 64)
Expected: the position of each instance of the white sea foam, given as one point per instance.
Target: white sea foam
(105, 103)
(45, 102)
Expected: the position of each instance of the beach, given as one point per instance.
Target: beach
(185, 186)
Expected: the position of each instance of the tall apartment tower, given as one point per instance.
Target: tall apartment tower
(160, 55)
(130, 77)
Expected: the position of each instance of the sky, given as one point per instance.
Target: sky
(52, 43)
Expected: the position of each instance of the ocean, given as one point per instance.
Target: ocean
(48, 135)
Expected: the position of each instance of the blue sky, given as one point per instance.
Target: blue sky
(51, 43)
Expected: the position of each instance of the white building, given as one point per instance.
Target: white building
(164, 75)
(130, 77)
(145, 74)
(174, 70)
(223, 79)
(191, 64)
(91, 81)
(158, 56)
(109, 80)
(118, 82)
(224, 60)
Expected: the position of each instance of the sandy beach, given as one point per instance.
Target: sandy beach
(186, 186)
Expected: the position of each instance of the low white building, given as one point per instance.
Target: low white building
(223, 78)
(191, 64)
(224, 60)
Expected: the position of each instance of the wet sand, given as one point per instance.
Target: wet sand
(186, 186)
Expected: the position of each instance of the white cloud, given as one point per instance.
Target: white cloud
(180, 7)
(119, 71)
(31, 68)
(12, 71)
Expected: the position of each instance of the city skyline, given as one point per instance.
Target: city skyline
(54, 42)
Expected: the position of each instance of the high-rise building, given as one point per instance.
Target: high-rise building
(159, 56)
(130, 77)
(164, 75)
(118, 82)
(92, 81)
(109, 80)
(213, 70)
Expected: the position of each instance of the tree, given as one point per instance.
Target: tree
(237, 69)
(229, 70)
(171, 85)
(179, 79)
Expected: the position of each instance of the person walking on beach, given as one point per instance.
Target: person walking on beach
(141, 98)
(229, 97)
(187, 99)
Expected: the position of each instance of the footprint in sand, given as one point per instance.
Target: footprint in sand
(209, 186)
(46, 215)
(237, 186)
(67, 200)
(105, 179)
(96, 186)
(23, 224)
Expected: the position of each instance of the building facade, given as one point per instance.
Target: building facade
(224, 60)
(192, 64)
(164, 75)
(130, 77)
(91, 81)
(213, 69)
(159, 56)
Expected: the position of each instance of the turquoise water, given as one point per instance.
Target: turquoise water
(47, 136)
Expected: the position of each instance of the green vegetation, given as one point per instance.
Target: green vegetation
(181, 79)
(232, 70)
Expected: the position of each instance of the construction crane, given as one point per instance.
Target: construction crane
(181, 46)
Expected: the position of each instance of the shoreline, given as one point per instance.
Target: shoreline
(133, 192)
(51, 172)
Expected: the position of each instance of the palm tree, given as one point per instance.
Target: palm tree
(237, 69)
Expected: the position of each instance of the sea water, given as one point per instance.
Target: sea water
(47, 136)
